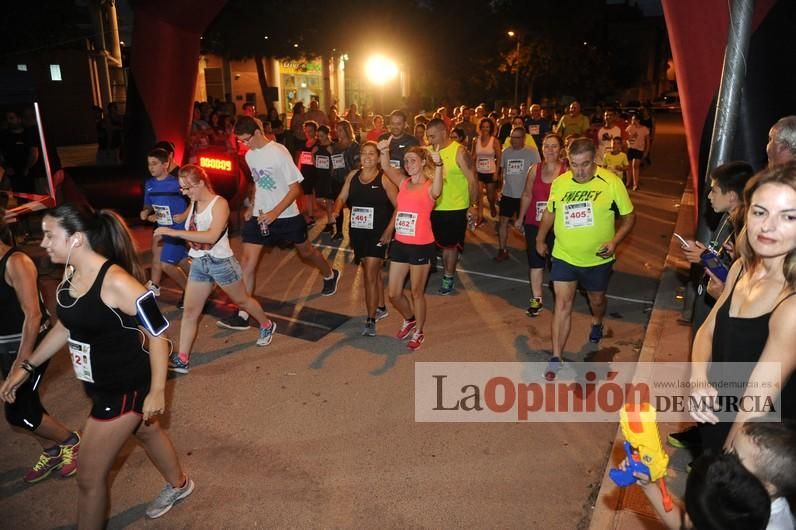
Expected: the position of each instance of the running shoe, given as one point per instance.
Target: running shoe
(152, 287)
(447, 286)
(381, 313)
(42, 469)
(338, 236)
(502, 255)
(596, 333)
(266, 335)
(416, 341)
(233, 322)
(687, 439)
(553, 366)
(370, 329)
(330, 285)
(178, 365)
(534, 307)
(167, 498)
(69, 457)
(406, 328)
(328, 229)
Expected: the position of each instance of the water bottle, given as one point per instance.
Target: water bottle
(471, 221)
(264, 229)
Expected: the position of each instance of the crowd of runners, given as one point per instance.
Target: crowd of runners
(408, 197)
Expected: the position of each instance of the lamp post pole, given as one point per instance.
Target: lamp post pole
(517, 75)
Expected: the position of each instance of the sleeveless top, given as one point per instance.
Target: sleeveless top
(201, 221)
(741, 340)
(413, 221)
(371, 209)
(111, 354)
(539, 195)
(12, 316)
(485, 157)
(455, 189)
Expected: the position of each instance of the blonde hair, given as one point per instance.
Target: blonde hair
(425, 158)
(785, 175)
(195, 174)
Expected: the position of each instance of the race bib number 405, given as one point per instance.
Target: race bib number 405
(80, 352)
(578, 214)
(406, 224)
(362, 218)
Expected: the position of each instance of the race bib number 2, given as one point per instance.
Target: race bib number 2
(578, 215)
(80, 352)
(406, 224)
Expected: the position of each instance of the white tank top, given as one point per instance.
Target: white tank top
(485, 157)
(202, 221)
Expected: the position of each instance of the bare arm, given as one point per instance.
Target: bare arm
(21, 274)
(342, 198)
(525, 199)
(395, 175)
(466, 163)
(52, 342)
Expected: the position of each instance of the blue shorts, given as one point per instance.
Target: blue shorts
(284, 231)
(590, 278)
(208, 269)
(173, 250)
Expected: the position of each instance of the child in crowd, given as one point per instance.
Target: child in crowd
(616, 160)
(165, 205)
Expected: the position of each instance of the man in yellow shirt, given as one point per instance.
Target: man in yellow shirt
(581, 208)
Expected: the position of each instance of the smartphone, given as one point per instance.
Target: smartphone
(683, 242)
(712, 262)
(149, 314)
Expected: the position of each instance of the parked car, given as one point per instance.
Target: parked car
(667, 101)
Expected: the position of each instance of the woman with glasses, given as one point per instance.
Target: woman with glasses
(213, 263)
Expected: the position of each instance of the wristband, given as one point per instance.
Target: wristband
(25, 365)
(439, 165)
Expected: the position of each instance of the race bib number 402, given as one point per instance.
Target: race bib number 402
(406, 224)
(578, 214)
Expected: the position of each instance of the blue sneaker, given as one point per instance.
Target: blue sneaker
(266, 335)
(447, 286)
(553, 366)
(177, 365)
(596, 333)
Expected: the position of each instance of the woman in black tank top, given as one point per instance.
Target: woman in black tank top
(371, 197)
(97, 308)
(753, 320)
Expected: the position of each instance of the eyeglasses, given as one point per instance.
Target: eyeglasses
(246, 140)
(186, 188)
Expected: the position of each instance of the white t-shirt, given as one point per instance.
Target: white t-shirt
(780, 518)
(637, 137)
(273, 171)
(605, 137)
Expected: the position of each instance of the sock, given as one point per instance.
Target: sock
(339, 224)
(382, 308)
(411, 319)
(266, 326)
(243, 314)
(53, 451)
(371, 320)
(72, 440)
(446, 275)
(183, 357)
(330, 276)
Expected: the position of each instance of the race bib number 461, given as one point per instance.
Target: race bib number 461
(578, 214)
(362, 218)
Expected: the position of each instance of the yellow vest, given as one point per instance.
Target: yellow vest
(455, 189)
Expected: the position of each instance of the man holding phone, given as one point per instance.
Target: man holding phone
(582, 209)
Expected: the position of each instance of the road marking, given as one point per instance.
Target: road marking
(506, 278)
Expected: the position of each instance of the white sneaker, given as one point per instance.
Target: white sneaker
(166, 499)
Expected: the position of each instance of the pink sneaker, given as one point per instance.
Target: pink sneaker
(417, 340)
(406, 328)
(42, 469)
(69, 458)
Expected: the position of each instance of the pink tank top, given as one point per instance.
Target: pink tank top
(413, 220)
(539, 195)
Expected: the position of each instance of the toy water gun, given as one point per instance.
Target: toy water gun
(643, 447)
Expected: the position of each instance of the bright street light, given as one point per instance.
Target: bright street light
(380, 70)
(511, 34)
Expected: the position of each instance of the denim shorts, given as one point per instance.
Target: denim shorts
(223, 271)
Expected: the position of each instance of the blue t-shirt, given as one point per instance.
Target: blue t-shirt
(165, 199)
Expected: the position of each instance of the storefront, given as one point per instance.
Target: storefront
(301, 80)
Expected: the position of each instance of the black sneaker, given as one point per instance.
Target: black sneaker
(338, 236)
(330, 285)
(181, 302)
(328, 229)
(687, 439)
(233, 322)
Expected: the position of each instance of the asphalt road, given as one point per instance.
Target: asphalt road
(318, 429)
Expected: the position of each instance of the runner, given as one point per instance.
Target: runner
(273, 219)
(101, 320)
(213, 262)
(582, 203)
(25, 322)
(532, 207)
(449, 219)
(486, 152)
(371, 196)
(164, 205)
(323, 175)
(413, 249)
(400, 141)
(638, 145)
(345, 159)
(305, 160)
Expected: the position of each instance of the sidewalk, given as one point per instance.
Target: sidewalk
(667, 339)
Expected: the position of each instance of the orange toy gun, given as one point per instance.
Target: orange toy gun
(643, 447)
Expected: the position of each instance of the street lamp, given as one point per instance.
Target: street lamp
(379, 71)
(512, 35)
